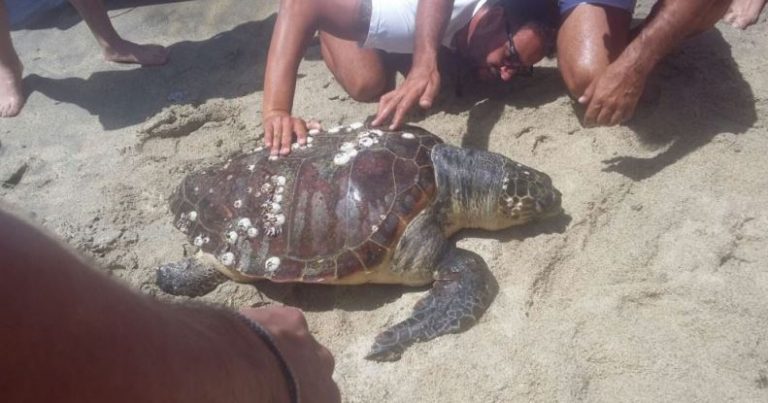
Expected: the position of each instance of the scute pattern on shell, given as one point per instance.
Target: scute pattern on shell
(320, 219)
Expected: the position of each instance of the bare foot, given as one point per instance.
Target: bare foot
(129, 52)
(744, 13)
(11, 94)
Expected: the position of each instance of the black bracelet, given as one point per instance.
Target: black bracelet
(293, 386)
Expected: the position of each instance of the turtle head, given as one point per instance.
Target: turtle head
(525, 195)
(481, 189)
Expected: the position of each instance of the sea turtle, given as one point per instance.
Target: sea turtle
(357, 205)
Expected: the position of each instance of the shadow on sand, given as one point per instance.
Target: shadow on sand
(703, 94)
(228, 65)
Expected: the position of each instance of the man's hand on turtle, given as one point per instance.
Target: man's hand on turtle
(421, 85)
(311, 364)
(612, 97)
(279, 131)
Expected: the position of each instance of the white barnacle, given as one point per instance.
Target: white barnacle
(272, 231)
(210, 191)
(272, 264)
(377, 132)
(279, 219)
(268, 217)
(341, 158)
(347, 146)
(257, 149)
(273, 157)
(229, 177)
(277, 198)
(227, 258)
(310, 140)
(192, 215)
(249, 190)
(374, 228)
(408, 136)
(313, 132)
(238, 203)
(252, 232)
(356, 125)
(334, 130)
(267, 188)
(275, 208)
(244, 223)
(251, 167)
(365, 142)
(198, 241)
(231, 237)
(294, 146)
(309, 145)
(196, 189)
(279, 190)
(278, 180)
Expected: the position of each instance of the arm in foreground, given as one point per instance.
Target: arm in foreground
(612, 97)
(423, 80)
(72, 334)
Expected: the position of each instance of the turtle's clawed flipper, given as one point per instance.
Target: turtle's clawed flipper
(188, 277)
(462, 291)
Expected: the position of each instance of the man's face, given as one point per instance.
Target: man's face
(504, 51)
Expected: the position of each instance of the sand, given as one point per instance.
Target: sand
(651, 288)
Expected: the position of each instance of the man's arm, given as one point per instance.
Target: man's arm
(612, 97)
(69, 334)
(295, 25)
(423, 81)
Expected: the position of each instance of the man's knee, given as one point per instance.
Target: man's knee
(578, 75)
(369, 90)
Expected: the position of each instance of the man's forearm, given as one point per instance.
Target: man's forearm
(432, 18)
(673, 22)
(71, 334)
(293, 29)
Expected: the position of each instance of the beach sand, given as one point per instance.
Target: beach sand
(651, 288)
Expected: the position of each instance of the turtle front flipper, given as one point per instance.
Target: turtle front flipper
(462, 291)
(188, 277)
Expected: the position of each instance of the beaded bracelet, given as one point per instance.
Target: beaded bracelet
(293, 386)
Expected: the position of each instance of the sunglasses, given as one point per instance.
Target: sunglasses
(513, 60)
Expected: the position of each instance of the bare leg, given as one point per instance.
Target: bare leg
(360, 71)
(590, 38)
(744, 13)
(11, 94)
(115, 48)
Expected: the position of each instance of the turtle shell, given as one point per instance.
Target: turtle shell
(331, 211)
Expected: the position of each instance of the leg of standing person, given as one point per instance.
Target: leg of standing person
(11, 93)
(115, 48)
(743, 13)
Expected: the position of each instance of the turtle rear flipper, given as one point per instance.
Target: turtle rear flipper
(462, 291)
(188, 277)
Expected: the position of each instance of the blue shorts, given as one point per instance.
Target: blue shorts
(568, 5)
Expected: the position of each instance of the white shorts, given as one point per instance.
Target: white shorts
(393, 23)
